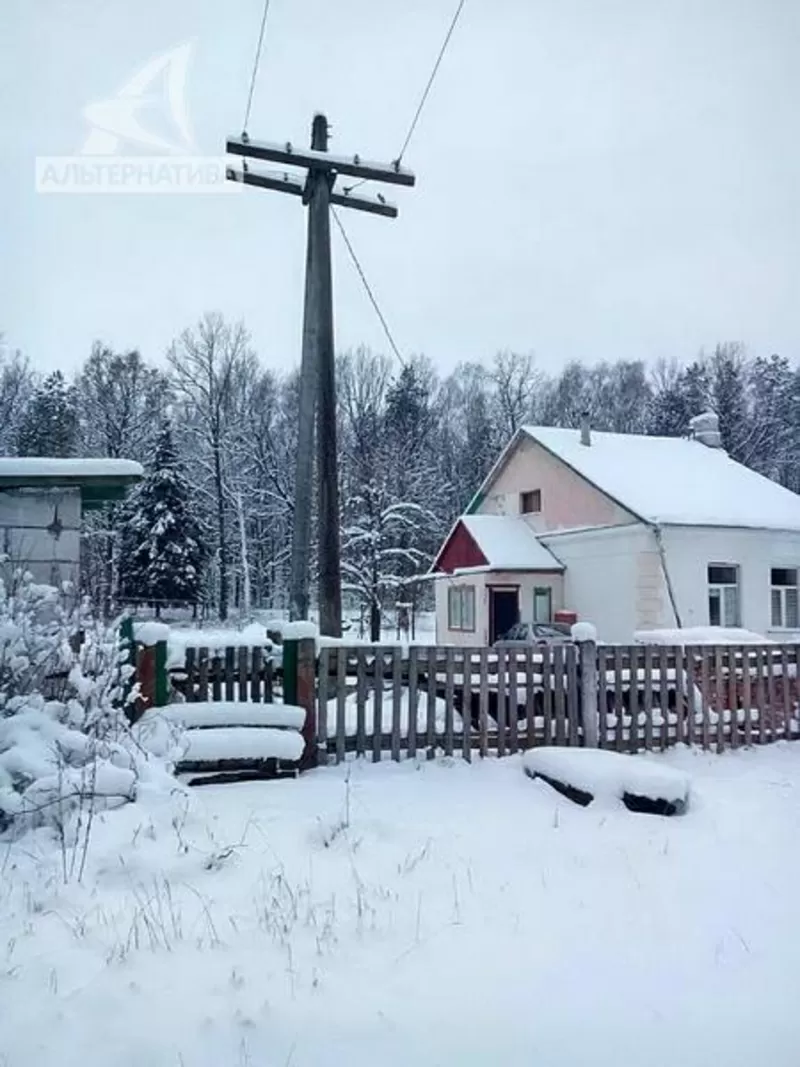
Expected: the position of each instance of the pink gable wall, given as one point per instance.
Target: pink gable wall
(567, 499)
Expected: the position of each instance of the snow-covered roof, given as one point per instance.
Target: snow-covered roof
(24, 470)
(509, 544)
(674, 480)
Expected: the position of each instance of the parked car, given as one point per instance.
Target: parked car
(535, 633)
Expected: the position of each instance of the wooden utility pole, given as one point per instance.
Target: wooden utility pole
(317, 374)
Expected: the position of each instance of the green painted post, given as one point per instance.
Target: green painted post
(300, 688)
(162, 680)
(128, 644)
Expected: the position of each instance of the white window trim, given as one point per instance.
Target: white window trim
(463, 594)
(782, 591)
(722, 588)
(543, 589)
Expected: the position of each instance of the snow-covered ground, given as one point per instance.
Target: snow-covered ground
(439, 913)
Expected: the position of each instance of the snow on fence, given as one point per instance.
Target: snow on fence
(376, 700)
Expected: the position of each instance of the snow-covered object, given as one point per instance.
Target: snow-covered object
(150, 633)
(296, 631)
(584, 631)
(252, 636)
(701, 635)
(508, 543)
(73, 469)
(231, 713)
(65, 745)
(241, 743)
(674, 480)
(604, 775)
(705, 429)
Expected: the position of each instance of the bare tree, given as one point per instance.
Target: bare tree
(516, 382)
(120, 403)
(16, 385)
(213, 367)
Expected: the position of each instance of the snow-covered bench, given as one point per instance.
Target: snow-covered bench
(231, 740)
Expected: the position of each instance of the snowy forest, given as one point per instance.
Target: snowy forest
(210, 526)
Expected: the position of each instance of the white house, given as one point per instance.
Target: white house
(627, 531)
(41, 504)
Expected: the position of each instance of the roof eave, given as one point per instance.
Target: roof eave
(665, 524)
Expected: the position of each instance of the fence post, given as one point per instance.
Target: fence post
(161, 694)
(299, 688)
(127, 646)
(585, 637)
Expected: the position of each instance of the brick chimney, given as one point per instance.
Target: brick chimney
(705, 429)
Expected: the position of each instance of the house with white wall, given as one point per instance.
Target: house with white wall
(42, 502)
(627, 531)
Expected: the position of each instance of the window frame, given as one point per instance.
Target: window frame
(722, 590)
(783, 591)
(461, 602)
(537, 590)
(536, 497)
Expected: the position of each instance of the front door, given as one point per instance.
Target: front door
(503, 612)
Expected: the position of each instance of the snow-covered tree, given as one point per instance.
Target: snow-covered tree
(49, 426)
(387, 479)
(162, 554)
(66, 750)
(16, 385)
(120, 402)
(213, 369)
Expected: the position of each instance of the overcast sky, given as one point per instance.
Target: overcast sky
(596, 178)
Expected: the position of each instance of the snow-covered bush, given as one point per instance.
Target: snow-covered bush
(66, 750)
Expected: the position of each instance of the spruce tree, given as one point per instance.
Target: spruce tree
(162, 551)
(49, 426)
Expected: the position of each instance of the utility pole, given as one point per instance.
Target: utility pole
(317, 373)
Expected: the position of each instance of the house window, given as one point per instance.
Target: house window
(530, 503)
(785, 614)
(543, 604)
(461, 607)
(723, 595)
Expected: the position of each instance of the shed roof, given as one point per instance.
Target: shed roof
(99, 480)
(673, 480)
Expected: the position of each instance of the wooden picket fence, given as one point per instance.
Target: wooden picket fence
(377, 700)
(240, 673)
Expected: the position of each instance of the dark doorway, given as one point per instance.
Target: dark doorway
(503, 612)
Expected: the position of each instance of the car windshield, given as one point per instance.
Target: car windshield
(553, 630)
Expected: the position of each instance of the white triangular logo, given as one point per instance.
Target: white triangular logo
(121, 121)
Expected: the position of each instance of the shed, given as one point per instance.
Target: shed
(42, 501)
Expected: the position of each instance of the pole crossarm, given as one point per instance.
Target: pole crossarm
(287, 183)
(281, 183)
(287, 154)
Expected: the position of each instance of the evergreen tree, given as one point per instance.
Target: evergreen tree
(728, 380)
(162, 555)
(49, 426)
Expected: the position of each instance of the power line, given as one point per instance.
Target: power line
(367, 287)
(256, 62)
(431, 80)
(425, 94)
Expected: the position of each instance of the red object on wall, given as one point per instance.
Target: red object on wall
(460, 550)
(569, 617)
